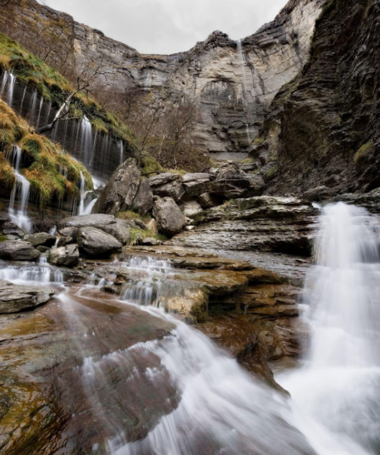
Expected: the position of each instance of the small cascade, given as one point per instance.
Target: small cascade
(339, 384)
(148, 275)
(8, 87)
(22, 189)
(33, 107)
(244, 83)
(85, 209)
(86, 143)
(39, 112)
(121, 147)
(41, 273)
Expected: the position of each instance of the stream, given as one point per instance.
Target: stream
(122, 377)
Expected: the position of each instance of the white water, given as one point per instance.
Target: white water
(8, 87)
(121, 149)
(85, 208)
(86, 144)
(339, 384)
(22, 189)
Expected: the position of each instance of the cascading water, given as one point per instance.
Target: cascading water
(339, 384)
(8, 87)
(85, 209)
(22, 187)
(244, 82)
(86, 141)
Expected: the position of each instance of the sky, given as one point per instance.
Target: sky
(169, 26)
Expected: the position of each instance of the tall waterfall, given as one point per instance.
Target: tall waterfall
(21, 189)
(339, 384)
(8, 87)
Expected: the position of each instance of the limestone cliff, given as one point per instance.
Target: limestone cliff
(231, 84)
(321, 136)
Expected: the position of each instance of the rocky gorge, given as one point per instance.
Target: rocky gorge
(150, 310)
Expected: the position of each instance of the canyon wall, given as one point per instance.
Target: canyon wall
(231, 84)
(321, 136)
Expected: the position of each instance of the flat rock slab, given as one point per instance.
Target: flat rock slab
(15, 298)
(96, 243)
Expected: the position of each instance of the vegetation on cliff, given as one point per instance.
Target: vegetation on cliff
(34, 72)
(54, 175)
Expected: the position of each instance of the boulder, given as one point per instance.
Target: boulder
(65, 256)
(143, 202)
(41, 239)
(163, 179)
(208, 200)
(169, 218)
(15, 298)
(18, 250)
(196, 184)
(172, 189)
(121, 190)
(191, 208)
(68, 227)
(10, 228)
(96, 243)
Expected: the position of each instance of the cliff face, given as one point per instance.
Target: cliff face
(231, 84)
(322, 130)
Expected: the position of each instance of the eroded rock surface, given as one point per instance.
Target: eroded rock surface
(16, 298)
(18, 250)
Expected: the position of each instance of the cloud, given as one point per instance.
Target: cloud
(169, 26)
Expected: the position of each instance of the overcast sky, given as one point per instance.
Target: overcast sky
(169, 26)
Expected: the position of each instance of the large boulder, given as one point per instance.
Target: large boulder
(96, 243)
(143, 202)
(14, 298)
(41, 239)
(18, 250)
(196, 184)
(169, 218)
(121, 190)
(163, 179)
(66, 256)
(173, 189)
(68, 227)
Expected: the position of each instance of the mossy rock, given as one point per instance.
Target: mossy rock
(362, 154)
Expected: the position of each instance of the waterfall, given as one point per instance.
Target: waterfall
(85, 209)
(39, 111)
(9, 80)
(86, 144)
(339, 385)
(244, 83)
(121, 148)
(22, 187)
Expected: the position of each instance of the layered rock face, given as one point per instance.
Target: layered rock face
(231, 84)
(322, 134)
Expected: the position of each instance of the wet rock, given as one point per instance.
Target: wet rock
(41, 239)
(18, 250)
(150, 241)
(12, 229)
(143, 202)
(65, 256)
(163, 179)
(191, 208)
(169, 218)
(96, 243)
(121, 190)
(15, 298)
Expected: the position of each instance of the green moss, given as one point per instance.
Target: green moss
(33, 72)
(137, 234)
(3, 238)
(54, 175)
(259, 141)
(270, 173)
(149, 165)
(363, 152)
(130, 215)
